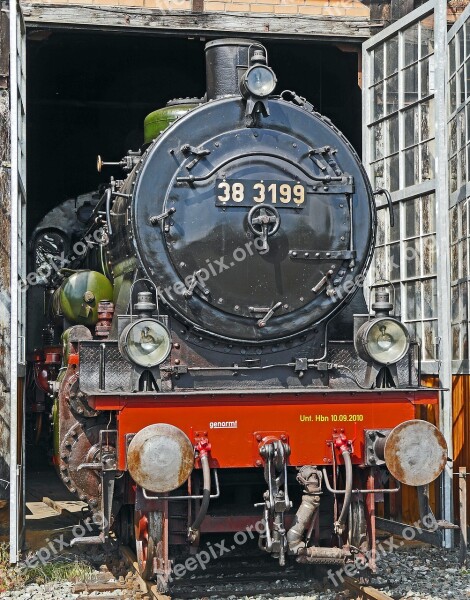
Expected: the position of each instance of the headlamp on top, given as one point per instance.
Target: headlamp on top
(145, 342)
(258, 81)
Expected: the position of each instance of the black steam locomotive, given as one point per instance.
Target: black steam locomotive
(209, 348)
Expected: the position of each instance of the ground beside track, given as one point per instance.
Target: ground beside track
(420, 573)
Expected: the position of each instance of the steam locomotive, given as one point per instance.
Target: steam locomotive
(207, 356)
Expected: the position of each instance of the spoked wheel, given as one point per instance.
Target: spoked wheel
(151, 545)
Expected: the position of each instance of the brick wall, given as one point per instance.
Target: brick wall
(339, 8)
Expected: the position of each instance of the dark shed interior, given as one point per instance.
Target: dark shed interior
(88, 94)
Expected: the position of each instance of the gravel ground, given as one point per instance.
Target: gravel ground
(424, 574)
(420, 573)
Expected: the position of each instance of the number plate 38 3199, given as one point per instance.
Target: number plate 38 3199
(247, 192)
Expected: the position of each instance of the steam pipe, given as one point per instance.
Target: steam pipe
(109, 195)
(206, 494)
(357, 491)
(341, 522)
(302, 520)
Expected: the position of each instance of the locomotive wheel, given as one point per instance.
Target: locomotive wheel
(150, 547)
(144, 544)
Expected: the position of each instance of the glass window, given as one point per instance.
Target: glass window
(402, 135)
(459, 157)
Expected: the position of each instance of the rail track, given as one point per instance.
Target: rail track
(241, 577)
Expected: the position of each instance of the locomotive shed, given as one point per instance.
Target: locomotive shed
(90, 76)
(79, 105)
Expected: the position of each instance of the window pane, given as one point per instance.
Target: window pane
(411, 126)
(452, 56)
(454, 224)
(392, 137)
(425, 83)
(427, 161)
(428, 215)
(378, 101)
(461, 79)
(413, 300)
(455, 342)
(411, 167)
(463, 292)
(411, 218)
(411, 44)
(378, 174)
(395, 230)
(412, 329)
(454, 262)
(377, 141)
(463, 165)
(393, 165)
(453, 174)
(468, 161)
(454, 294)
(464, 342)
(378, 63)
(429, 299)
(467, 36)
(429, 255)
(430, 334)
(380, 267)
(461, 129)
(463, 259)
(380, 241)
(412, 259)
(461, 40)
(426, 123)
(411, 84)
(452, 95)
(453, 136)
(391, 90)
(394, 262)
(467, 77)
(427, 35)
(463, 218)
(392, 56)
(397, 307)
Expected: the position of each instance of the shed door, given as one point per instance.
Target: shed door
(18, 274)
(404, 145)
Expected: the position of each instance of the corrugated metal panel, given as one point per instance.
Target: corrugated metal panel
(461, 425)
